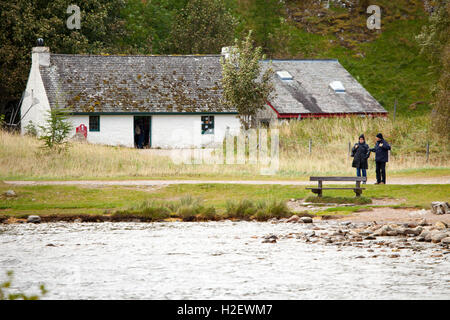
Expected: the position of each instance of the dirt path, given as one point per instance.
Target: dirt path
(403, 215)
(394, 180)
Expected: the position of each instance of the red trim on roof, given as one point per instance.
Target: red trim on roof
(323, 115)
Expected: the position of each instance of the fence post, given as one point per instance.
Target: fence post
(310, 145)
(349, 149)
(428, 150)
(395, 109)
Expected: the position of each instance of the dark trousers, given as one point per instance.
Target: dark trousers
(358, 172)
(380, 169)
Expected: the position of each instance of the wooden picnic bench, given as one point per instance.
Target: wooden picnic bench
(357, 189)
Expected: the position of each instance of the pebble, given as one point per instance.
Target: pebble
(293, 219)
(10, 193)
(440, 225)
(306, 219)
(438, 236)
(34, 219)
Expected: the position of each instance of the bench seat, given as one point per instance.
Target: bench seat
(353, 188)
(357, 188)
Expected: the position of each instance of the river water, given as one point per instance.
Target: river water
(211, 260)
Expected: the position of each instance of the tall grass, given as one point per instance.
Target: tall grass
(22, 158)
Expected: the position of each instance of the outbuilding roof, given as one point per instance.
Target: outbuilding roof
(309, 90)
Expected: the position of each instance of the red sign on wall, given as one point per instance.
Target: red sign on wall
(83, 129)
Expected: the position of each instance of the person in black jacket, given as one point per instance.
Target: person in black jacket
(360, 154)
(381, 150)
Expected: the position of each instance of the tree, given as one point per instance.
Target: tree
(435, 36)
(203, 26)
(244, 87)
(6, 285)
(56, 131)
(265, 19)
(148, 25)
(435, 42)
(441, 108)
(23, 21)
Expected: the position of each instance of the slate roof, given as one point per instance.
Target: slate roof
(309, 91)
(107, 83)
(102, 83)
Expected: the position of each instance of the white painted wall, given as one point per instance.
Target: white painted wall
(168, 131)
(114, 130)
(184, 131)
(35, 103)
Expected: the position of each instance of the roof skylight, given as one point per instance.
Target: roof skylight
(284, 75)
(337, 86)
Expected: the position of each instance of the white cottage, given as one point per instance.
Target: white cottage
(175, 101)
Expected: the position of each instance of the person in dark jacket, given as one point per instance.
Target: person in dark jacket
(381, 150)
(360, 154)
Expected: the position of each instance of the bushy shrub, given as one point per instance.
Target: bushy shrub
(243, 209)
(208, 213)
(271, 209)
(31, 129)
(188, 212)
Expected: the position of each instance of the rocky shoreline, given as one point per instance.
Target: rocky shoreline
(392, 236)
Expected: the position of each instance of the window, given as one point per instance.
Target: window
(94, 123)
(207, 124)
(284, 75)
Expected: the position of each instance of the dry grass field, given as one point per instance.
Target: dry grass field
(22, 157)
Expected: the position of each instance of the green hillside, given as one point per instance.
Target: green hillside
(386, 62)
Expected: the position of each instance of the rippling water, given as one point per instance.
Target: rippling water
(211, 260)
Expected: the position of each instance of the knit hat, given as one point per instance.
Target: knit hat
(380, 136)
(362, 136)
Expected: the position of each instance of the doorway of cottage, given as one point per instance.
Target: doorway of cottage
(142, 126)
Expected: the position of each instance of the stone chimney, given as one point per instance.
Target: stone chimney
(228, 51)
(41, 56)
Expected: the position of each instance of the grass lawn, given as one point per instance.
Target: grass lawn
(45, 200)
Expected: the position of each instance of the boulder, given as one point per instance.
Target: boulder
(310, 234)
(306, 219)
(271, 237)
(440, 225)
(269, 241)
(383, 231)
(10, 193)
(392, 233)
(440, 207)
(414, 231)
(423, 222)
(34, 219)
(293, 219)
(446, 240)
(438, 236)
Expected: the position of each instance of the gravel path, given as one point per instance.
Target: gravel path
(399, 181)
